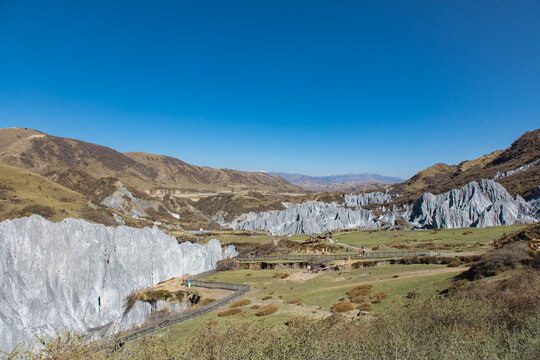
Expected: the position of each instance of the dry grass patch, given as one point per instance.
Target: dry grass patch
(255, 307)
(377, 297)
(364, 307)
(267, 297)
(241, 302)
(341, 307)
(297, 301)
(267, 310)
(358, 293)
(229, 312)
(207, 301)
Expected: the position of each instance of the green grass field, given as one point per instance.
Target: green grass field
(464, 239)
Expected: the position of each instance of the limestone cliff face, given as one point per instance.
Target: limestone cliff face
(308, 217)
(477, 204)
(74, 275)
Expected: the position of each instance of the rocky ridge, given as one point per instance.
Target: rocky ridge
(477, 204)
(74, 275)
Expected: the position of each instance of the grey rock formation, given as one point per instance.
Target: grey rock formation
(73, 275)
(308, 217)
(124, 201)
(368, 198)
(527, 166)
(477, 204)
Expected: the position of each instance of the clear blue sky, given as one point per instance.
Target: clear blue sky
(314, 87)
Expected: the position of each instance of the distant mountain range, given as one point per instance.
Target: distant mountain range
(347, 182)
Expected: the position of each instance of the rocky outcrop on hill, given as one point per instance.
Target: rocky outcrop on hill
(527, 166)
(73, 275)
(369, 198)
(308, 217)
(477, 204)
(124, 201)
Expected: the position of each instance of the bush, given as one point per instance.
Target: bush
(43, 210)
(364, 307)
(497, 261)
(455, 263)
(377, 297)
(267, 297)
(267, 310)
(358, 299)
(229, 312)
(207, 301)
(342, 307)
(297, 301)
(241, 302)
(284, 276)
(360, 290)
(255, 307)
(227, 265)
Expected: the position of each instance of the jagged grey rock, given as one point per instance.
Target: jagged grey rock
(369, 198)
(124, 201)
(308, 217)
(477, 204)
(75, 275)
(527, 166)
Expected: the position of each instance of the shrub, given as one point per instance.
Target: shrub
(297, 301)
(498, 260)
(207, 301)
(455, 263)
(341, 307)
(227, 264)
(43, 210)
(377, 297)
(241, 302)
(467, 232)
(284, 276)
(364, 307)
(358, 299)
(267, 310)
(230, 311)
(256, 306)
(277, 275)
(356, 291)
(267, 297)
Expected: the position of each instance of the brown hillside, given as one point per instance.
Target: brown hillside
(45, 154)
(23, 193)
(440, 178)
(172, 172)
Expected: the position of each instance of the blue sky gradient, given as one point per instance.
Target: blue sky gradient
(313, 87)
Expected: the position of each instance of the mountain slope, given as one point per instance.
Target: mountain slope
(23, 193)
(45, 154)
(441, 178)
(171, 172)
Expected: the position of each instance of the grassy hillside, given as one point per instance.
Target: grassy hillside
(44, 154)
(23, 193)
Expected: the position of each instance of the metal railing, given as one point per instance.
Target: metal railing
(333, 257)
(238, 290)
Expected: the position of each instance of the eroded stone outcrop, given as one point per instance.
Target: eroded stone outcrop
(74, 275)
(477, 204)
